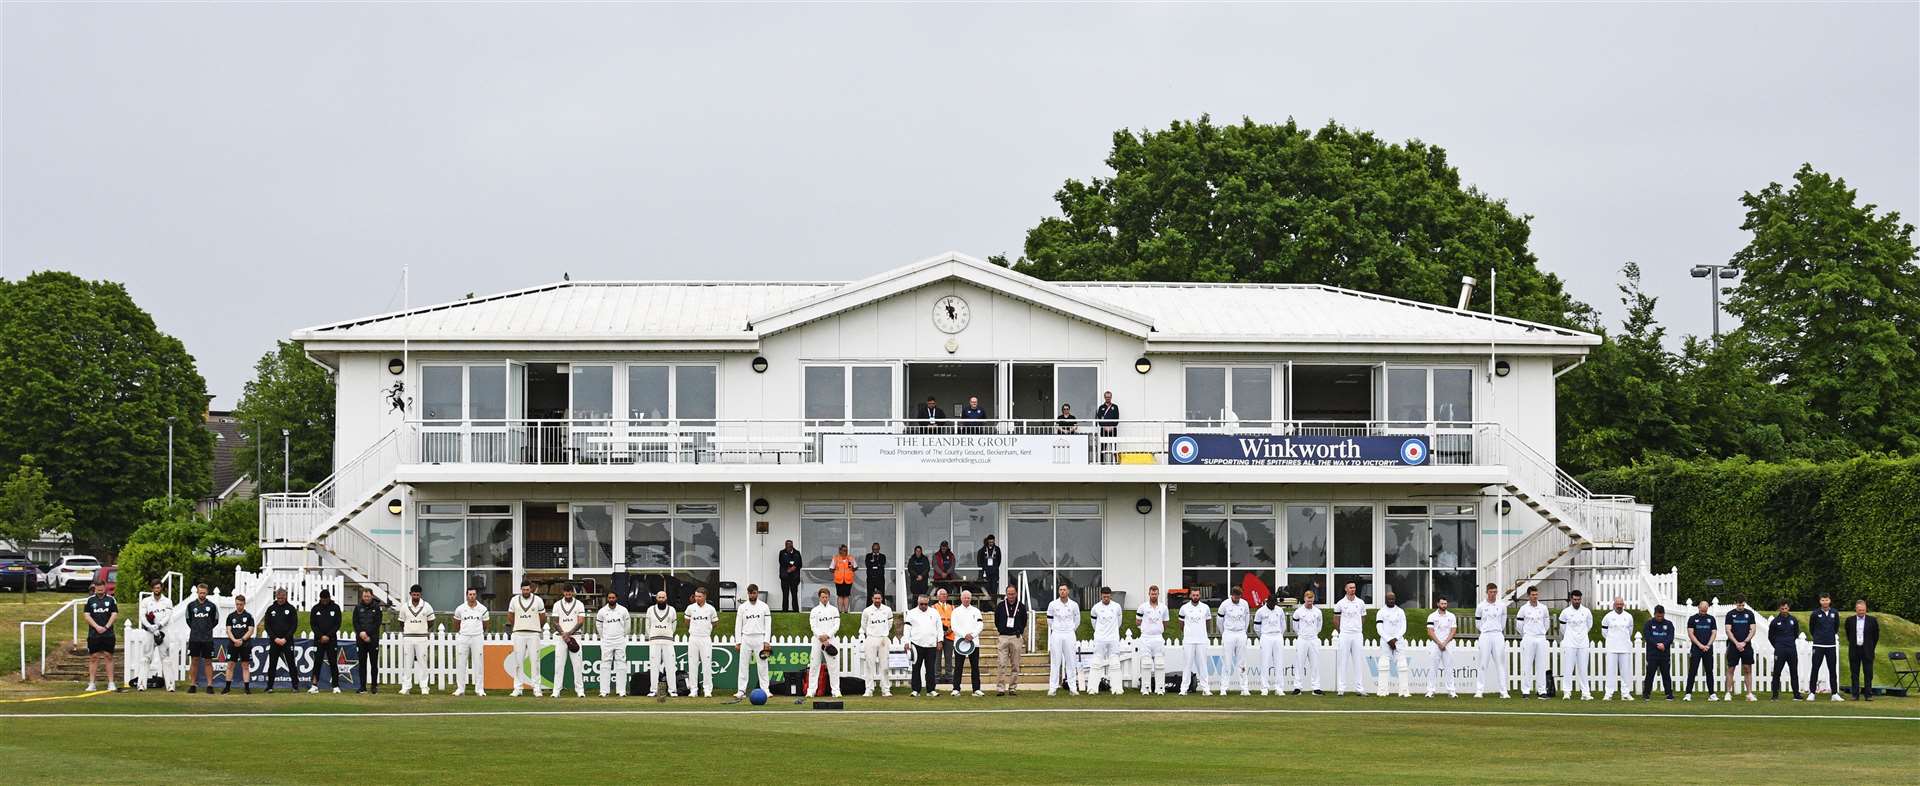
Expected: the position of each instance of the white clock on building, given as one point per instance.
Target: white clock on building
(950, 314)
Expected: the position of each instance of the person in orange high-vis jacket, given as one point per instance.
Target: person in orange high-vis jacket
(945, 610)
(843, 577)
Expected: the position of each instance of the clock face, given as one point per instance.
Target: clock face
(950, 314)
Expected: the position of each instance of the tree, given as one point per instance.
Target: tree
(1730, 408)
(1279, 203)
(89, 383)
(1830, 298)
(27, 506)
(1620, 404)
(288, 391)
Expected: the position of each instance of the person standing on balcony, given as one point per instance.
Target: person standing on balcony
(1490, 618)
(987, 559)
(1010, 621)
(1236, 651)
(929, 416)
(366, 633)
(1658, 636)
(101, 612)
(1783, 632)
(569, 621)
(470, 645)
(843, 577)
(1741, 625)
(1391, 626)
(1576, 628)
(1701, 629)
(148, 647)
(1352, 612)
(528, 613)
(1193, 645)
(701, 617)
(1533, 620)
(611, 622)
(1863, 637)
(824, 622)
(416, 616)
(281, 621)
(1152, 618)
(240, 628)
(1106, 617)
(789, 578)
(975, 417)
(876, 626)
(966, 625)
(1271, 621)
(753, 632)
(1107, 416)
(1063, 639)
(1306, 645)
(876, 565)
(202, 618)
(919, 573)
(324, 619)
(1440, 629)
(1066, 423)
(1823, 627)
(1616, 633)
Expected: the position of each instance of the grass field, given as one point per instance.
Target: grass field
(156, 738)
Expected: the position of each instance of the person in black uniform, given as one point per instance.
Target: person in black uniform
(1658, 634)
(280, 621)
(202, 618)
(1107, 416)
(324, 619)
(1863, 637)
(1823, 627)
(973, 412)
(789, 578)
(102, 611)
(876, 563)
(987, 559)
(1784, 634)
(239, 631)
(1701, 628)
(367, 618)
(919, 571)
(929, 416)
(1741, 622)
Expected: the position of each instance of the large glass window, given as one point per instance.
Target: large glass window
(463, 546)
(443, 392)
(1407, 396)
(871, 394)
(826, 526)
(592, 534)
(1222, 545)
(1307, 531)
(673, 546)
(592, 392)
(1079, 387)
(1206, 395)
(1056, 544)
(1235, 395)
(834, 393)
(1353, 549)
(1431, 553)
(825, 393)
(648, 396)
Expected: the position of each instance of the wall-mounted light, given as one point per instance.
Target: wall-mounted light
(759, 364)
(1506, 506)
(1502, 368)
(396, 366)
(394, 506)
(1143, 506)
(760, 506)
(1143, 365)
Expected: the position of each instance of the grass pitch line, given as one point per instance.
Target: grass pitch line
(1001, 711)
(85, 695)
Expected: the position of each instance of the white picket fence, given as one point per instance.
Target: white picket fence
(303, 586)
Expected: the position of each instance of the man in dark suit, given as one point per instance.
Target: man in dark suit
(1107, 415)
(876, 572)
(929, 416)
(1862, 635)
(789, 578)
(987, 559)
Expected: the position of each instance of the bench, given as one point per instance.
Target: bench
(638, 442)
(778, 447)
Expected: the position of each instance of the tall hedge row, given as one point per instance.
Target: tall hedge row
(1789, 531)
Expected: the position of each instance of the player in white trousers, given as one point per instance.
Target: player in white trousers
(1063, 624)
(876, 626)
(1306, 645)
(1151, 646)
(1616, 634)
(1271, 622)
(701, 616)
(416, 615)
(1576, 625)
(660, 620)
(753, 631)
(1391, 626)
(1236, 650)
(569, 617)
(1533, 620)
(824, 621)
(611, 623)
(150, 651)
(1440, 630)
(1193, 644)
(469, 645)
(527, 613)
(1347, 646)
(1490, 618)
(1106, 616)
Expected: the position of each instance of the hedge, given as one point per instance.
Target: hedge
(1792, 531)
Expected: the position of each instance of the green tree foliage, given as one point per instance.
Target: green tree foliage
(1830, 298)
(89, 383)
(175, 537)
(288, 391)
(1278, 203)
(1619, 405)
(27, 506)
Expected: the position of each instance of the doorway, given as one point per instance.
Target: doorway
(1332, 393)
(950, 385)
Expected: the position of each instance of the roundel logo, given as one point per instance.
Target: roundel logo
(1413, 451)
(1185, 450)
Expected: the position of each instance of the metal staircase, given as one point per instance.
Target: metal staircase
(1576, 519)
(318, 521)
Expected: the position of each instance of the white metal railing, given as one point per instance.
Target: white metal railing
(1532, 553)
(803, 441)
(175, 583)
(303, 585)
(379, 568)
(1640, 589)
(72, 608)
(300, 517)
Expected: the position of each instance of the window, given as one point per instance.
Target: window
(592, 393)
(1353, 550)
(658, 393)
(1055, 544)
(462, 546)
(592, 535)
(1222, 545)
(834, 393)
(443, 392)
(826, 526)
(673, 545)
(1230, 394)
(1432, 553)
(1307, 532)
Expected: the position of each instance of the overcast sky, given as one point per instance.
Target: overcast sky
(248, 170)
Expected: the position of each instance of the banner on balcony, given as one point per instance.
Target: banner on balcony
(1297, 451)
(946, 449)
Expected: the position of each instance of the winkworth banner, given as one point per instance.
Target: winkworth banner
(1297, 451)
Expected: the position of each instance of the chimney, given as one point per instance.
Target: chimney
(1466, 291)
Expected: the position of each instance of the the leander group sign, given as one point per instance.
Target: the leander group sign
(1296, 451)
(945, 449)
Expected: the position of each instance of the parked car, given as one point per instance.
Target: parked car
(73, 572)
(18, 573)
(111, 575)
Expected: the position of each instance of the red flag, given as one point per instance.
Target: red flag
(1255, 589)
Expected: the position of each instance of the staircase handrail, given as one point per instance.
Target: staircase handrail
(69, 607)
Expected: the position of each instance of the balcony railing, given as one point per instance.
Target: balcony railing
(586, 442)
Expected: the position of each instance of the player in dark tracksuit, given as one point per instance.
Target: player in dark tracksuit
(280, 620)
(367, 617)
(1658, 634)
(324, 618)
(1701, 629)
(1823, 627)
(1784, 634)
(240, 624)
(876, 563)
